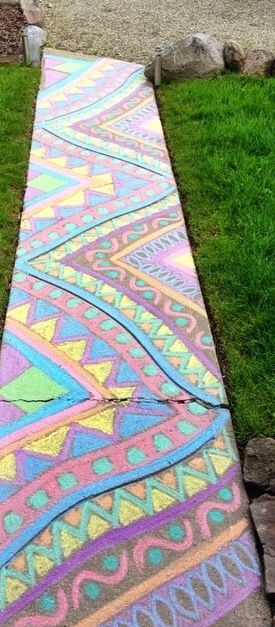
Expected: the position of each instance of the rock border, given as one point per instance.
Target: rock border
(259, 477)
(199, 55)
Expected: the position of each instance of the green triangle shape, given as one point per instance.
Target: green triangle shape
(32, 389)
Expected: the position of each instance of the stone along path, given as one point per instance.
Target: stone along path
(121, 502)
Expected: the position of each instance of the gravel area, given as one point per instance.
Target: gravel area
(131, 29)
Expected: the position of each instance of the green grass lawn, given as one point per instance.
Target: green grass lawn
(18, 86)
(222, 142)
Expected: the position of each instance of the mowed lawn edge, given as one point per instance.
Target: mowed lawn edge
(221, 134)
(18, 89)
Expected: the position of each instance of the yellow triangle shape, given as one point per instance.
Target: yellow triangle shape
(122, 392)
(177, 347)
(46, 328)
(126, 302)
(161, 500)
(48, 212)
(72, 201)
(25, 225)
(194, 362)
(14, 589)
(50, 444)
(97, 526)
(104, 421)
(69, 543)
(163, 330)
(105, 189)
(8, 467)
(100, 371)
(59, 161)
(82, 170)
(193, 485)
(67, 272)
(209, 378)
(128, 512)
(42, 564)
(39, 152)
(74, 350)
(20, 313)
(220, 463)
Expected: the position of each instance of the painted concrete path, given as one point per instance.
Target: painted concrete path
(121, 501)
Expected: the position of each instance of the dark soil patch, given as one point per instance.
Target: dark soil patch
(12, 23)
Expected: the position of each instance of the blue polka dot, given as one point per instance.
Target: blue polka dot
(47, 603)
(155, 556)
(110, 562)
(225, 494)
(177, 307)
(181, 322)
(148, 294)
(175, 532)
(92, 590)
(216, 516)
(207, 339)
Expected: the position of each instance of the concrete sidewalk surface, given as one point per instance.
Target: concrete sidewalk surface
(120, 487)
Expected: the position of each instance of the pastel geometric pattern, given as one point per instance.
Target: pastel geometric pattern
(120, 497)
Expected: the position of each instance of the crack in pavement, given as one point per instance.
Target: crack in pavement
(123, 400)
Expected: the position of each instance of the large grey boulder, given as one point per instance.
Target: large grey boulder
(234, 56)
(258, 62)
(259, 463)
(197, 55)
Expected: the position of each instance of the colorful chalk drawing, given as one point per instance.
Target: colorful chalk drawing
(120, 494)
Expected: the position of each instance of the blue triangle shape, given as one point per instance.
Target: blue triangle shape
(85, 443)
(95, 200)
(6, 491)
(74, 162)
(145, 393)
(34, 466)
(43, 224)
(44, 309)
(17, 296)
(126, 373)
(55, 152)
(130, 186)
(101, 349)
(99, 169)
(123, 176)
(71, 328)
(135, 423)
(66, 212)
(23, 235)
